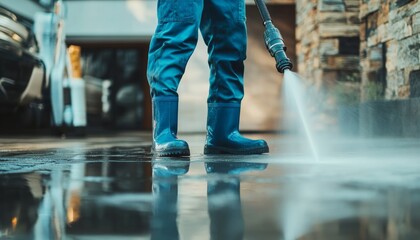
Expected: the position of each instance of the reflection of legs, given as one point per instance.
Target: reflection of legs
(165, 193)
(224, 31)
(164, 224)
(224, 206)
(224, 201)
(170, 49)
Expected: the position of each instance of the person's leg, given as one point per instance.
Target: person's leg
(224, 31)
(171, 47)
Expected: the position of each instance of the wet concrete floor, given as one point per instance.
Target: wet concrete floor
(111, 188)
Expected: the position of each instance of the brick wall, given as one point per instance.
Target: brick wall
(390, 49)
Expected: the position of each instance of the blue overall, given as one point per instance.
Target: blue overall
(222, 25)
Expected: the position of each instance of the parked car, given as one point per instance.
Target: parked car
(22, 72)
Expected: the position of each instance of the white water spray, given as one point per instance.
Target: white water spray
(294, 90)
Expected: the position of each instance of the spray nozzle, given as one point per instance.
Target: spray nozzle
(275, 45)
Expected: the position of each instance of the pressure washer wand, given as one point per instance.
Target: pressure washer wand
(273, 39)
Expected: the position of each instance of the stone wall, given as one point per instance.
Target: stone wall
(327, 32)
(390, 49)
(328, 52)
(369, 50)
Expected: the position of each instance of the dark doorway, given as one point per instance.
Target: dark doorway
(117, 89)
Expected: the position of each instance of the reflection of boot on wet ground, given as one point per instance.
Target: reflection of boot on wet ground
(224, 201)
(165, 194)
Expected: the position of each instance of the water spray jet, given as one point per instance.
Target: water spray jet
(273, 39)
(276, 47)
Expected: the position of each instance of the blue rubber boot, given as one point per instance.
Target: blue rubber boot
(171, 47)
(165, 128)
(223, 135)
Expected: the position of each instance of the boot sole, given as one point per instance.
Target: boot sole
(221, 150)
(173, 153)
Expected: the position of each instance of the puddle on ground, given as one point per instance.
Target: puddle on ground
(122, 193)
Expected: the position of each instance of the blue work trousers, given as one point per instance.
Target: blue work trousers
(222, 25)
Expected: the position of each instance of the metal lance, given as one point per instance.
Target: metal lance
(273, 39)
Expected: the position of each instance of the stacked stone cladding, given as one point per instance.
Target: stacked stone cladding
(327, 32)
(390, 49)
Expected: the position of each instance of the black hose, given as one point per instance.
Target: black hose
(265, 15)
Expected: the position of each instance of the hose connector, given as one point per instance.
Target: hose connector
(275, 45)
